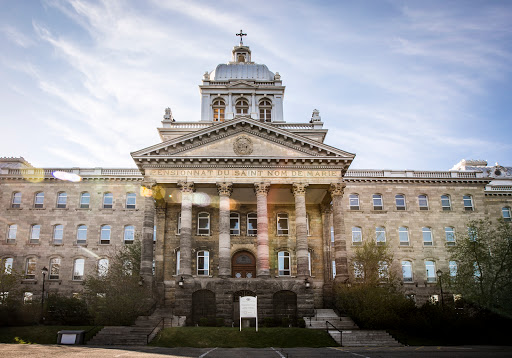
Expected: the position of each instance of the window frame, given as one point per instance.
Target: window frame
(449, 234)
(433, 276)
(506, 217)
(8, 263)
(78, 277)
(131, 196)
(375, 201)
(423, 202)
(382, 233)
(178, 261)
(282, 217)
(126, 231)
(206, 230)
(33, 229)
(39, 200)
(284, 260)
(83, 204)
(401, 230)
(357, 232)
(351, 198)
(397, 205)
(253, 218)
(408, 264)
(427, 230)
(446, 199)
(219, 110)
(242, 104)
(234, 217)
(11, 238)
(62, 200)
(16, 200)
(102, 269)
(265, 109)
(452, 268)
(105, 205)
(468, 198)
(79, 228)
(205, 267)
(58, 230)
(54, 271)
(105, 228)
(178, 224)
(30, 268)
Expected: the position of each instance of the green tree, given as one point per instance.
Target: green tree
(117, 295)
(483, 256)
(10, 294)
(372, 264)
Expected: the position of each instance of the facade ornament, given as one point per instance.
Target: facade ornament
(261, 188)
(315, 117)
(168, 115)
(225, 189)
(241, 34)
(326, 209)
(277, 77)
(186, 186)
(337, 188)
(299, 188)
(148, 183)
(243, 145)
(206, 76)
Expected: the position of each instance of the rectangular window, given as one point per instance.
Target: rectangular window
(407, 271)
(16, 200)
(284, 263)
(380, 235)
(27, 297)
(131, 200)
(307, 224)
(129, 234)
(427, 236)
(400, 202)
(452, 265)
(252, 224)
(178, 229)
(102, 267)
(54, 269)
(178, 263)
(39, 200)
(434, 299)
(203, 224)
(450, 236)
(203, 263)
(357, 236)
(85, 200)
(468, 202)
(354, 201)
(30, 269)
(430, 268)
(377, 202)
(333, 264)
(234, 224)
(108, 201)
(11, 233)
(403, 235)
(81, 235)
(78, 269)
(446, 203)
(62, 200)
(506, 214)
(105, 234)
(423, 202)
(58, 234)
(8, 265)
(34, 234)
(282, 224)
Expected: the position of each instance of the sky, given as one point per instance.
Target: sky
(402, 84)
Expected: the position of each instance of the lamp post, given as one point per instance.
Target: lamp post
(439, 274)
(44, 271)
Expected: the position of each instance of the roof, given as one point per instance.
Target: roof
(251, 71)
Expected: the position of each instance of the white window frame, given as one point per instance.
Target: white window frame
(242, 106)
(403, 233)
(54, 271)
(103, 264)
(468, 202)
(219, 110)
(309, 262)
(27, 297)
(201, 217)
(80, 230)
(423, 202)
(108, 197)
(103, 238)
(378, 203)
(380, 235)
(284, 229)
(400, 202)
(131, 200)
(446, 202)
(430, 271)
(234, 218)
(35, 233)
(30, 268)
(353, 202)
(506, 213)
(357, 236)
(449, 233)
(12, 231)
(178, 261)
(333, 265)
(129, 234)
(78, 269)
(8, 262)
(58, 234)
(39, 200)
(252, 221)
(265, 106)
(62, 200)
(85, 200)
(204, 268)
(407, 273)
(426, 233)
(16, 200)
(284, 263)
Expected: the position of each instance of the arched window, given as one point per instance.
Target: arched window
(203, 263)
(234, 224)
(427, 236)
(105, 234)
(39, 200)
(357, 236)
(81, 235)
(54, 268)
(403, 236)
(78, 269)
(58, 234)
(203, 224)
(380, 235)
(108, 201)
(35, 231)
(219, 107)
(430, 268)
(354, 201)
(283, 260)
(252, 224)
(400, 201)
(506, 213)
(16, 200)
(377, 202)
(446, 202)
(131, 200)
(11, 233)
(407, 271)
(129, 234)
(265, 110)
(85, 200)
(468, 202)
(102, 267)
(423, 202)
(30, 268)
(62, 200)
(449, 233)
(282, 224)
(242, 106)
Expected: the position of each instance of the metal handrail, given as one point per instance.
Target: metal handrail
(327, 323)
(150, 333)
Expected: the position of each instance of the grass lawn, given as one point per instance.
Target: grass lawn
(40, 334)
(227, 337)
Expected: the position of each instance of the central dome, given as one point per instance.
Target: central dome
(241, 71)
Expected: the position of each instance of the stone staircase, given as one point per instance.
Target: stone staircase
(142, 332)
(352, 335)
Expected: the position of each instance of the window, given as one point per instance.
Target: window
(178, 259)
(449, 232)
(62, 200)
(154, 233)
(333, 265)
(353, 200)
(427, 236)
(309, 262)
(358, 271)
(332, 236)
(446, 203)
(78, 269)
(234, 224)
(468, 202)
(282, 224)
(39, 200)
(203, 224)
(357, 236)
(178, 229)
(27, 297)
(105, 234)
(35, 230)
(430, 267)
(377, 202)
(102, 267)
(506, 214)
(85, 200)
(423, 202)
(452, 265)
(8, 264)
(127, 268)
(407, 271)
(400, 202)
(472, 233)
(283, 261)
(203, 263)
(16, 200)
(131, 200)
(129, 234)
(3, 297)
(252, 224)
(242, 106)
(54, 268)
(380, 235)
(81, 235)
(58, 234)
(476, 271)
(383, 270)
(218, 110)
(108, 201)
(307, 224)
(403, 236)
(30, 268)
(265, 111)
(11, 233)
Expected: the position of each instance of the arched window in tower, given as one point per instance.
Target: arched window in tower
(242, 106)
(219, 107)
(265, 111)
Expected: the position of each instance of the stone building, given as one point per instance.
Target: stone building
(240, 203)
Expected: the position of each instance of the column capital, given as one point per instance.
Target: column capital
(337, 188)
(299, 188)
(261, 188)
(225, 189)
(186, 186)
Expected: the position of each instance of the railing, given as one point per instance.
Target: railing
(365, 173)
(120, 172)
(162, 321)
(500, 188)
(327, 324)
(294, 125)
(424, 174)
(191, 125)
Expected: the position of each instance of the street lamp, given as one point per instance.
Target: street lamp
(439, 274)
(44, 271)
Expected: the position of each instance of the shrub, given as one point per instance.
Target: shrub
(302, 323)
(203, 322)
(66, 311)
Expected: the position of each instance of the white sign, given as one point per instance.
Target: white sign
(249, 309)
(68, 339)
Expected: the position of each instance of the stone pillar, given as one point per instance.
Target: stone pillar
(187, 189)
(225, 190)
(146, 262)
(262, 261)
(299, 191)
(340, 245)
(326, 234)
(254, 114)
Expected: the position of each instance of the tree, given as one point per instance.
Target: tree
(116, 295)
(372, 263)
(11, 292)
(483, 256)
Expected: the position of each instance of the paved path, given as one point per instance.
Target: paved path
(56, 351)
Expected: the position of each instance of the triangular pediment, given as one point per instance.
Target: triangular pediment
(241, 83)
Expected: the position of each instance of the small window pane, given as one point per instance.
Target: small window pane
(427, 236)
(78, 269)
(203, 263)
(403, 235)
(62, 199)
(81, 234)
(85, 200)
(252, 224)
(129, 234)
(400, 202)
(130, 200)
(234, 224)
(446, 203)
(108, 200)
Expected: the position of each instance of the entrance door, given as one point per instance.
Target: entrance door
(203, 305)
(243, 265)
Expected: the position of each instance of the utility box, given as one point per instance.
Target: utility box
(70, 337)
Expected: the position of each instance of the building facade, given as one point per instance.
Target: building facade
(241, 203)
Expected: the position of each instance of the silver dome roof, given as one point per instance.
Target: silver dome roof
(242, 71)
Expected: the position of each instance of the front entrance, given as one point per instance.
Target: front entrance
(243, 265)
(203, 306)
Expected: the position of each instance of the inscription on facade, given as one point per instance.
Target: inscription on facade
(244, 173)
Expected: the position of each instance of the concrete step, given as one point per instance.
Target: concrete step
(364, 338)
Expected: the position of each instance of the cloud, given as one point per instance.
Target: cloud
(16, 37)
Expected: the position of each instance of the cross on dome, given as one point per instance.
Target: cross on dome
(241, 34)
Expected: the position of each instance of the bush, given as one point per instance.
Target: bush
(66, 311)
(302, 323)
(203, 322)
(220, 322)
(268, 322)
(285, 322)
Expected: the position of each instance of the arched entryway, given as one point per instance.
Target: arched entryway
(203, 305)
(236, 305)
(243, 265)
(285, 304)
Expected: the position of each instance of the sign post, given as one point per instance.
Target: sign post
(248, 309)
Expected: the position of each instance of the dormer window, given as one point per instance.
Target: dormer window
(265, 111)
(241, 57)
(242, 106)
(219, 107)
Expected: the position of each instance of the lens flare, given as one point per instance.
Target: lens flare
(34, 175)
(72, 177)
(146, 192)
(201, 199)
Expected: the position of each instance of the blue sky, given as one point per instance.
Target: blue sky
(403, 84)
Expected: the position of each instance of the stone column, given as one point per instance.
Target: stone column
(299, 191)
(225, 190)
(254, 114)
(262, 261)
(326, 233)
(146, 262)
(187, 189)
(340, 245)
